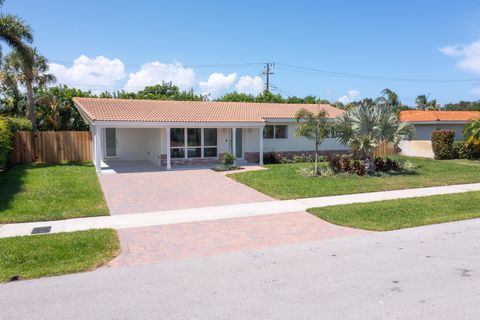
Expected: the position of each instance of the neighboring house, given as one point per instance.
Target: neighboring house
(426, 122)
(194, 132)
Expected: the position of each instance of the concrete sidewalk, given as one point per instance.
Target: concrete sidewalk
(224, 212)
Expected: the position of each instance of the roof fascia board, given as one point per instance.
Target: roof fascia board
(139, 124)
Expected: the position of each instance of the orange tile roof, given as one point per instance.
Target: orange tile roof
(98, 109)
(427, 116)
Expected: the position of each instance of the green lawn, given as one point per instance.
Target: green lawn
(35, 192)
(403, 213)
(55, 254)
(283, 182)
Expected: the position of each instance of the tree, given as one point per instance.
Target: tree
(29, 73)
(313, 127)
(472, 133)
(365, 127)
(423, 103)
(389, 98)
(15, 33)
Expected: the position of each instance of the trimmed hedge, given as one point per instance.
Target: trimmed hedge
(19, 124)
(442, 144)
(5, 141)
(9, 125)
(464, 151)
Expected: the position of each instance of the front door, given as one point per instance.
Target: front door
(238, 143)
(110, 142)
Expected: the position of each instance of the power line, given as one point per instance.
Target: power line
(294, 68)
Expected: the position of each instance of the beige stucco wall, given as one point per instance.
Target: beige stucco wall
(417, 148)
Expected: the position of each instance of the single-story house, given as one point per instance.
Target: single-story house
(168, 133)
(426, 122)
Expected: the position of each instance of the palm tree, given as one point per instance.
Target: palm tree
(472, 132)
(365, 127)
(423, 103)
(29, 73)
(390, 98)
(313, 127)
(15, 32)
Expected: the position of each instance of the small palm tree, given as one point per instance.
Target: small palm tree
(29, 73)
(389, 98)
(472, 133)
(365, 127)
(313, 127)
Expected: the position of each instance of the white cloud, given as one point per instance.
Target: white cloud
(155, 72)
(468, 56)
(217, 84)
(249, 85)
(352, 95)
(98, 73)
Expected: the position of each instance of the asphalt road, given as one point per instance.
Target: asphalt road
(422, 273)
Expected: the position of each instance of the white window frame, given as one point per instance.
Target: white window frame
(274, 131)
(202, 144)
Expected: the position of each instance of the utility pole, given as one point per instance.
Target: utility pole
(266, 71)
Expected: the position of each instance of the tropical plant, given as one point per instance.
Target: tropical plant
(423, 103)
(29, 73)
(313, 127)
(365, 127)
(15, 33)
(472, 132)
(390, 99)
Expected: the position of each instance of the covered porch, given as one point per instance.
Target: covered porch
(178, 144)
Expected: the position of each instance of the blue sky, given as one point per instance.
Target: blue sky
(127, 44)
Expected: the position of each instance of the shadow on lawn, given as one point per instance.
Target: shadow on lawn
(12, 182)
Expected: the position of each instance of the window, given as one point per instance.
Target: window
(210, 143)
(275, 132)
(280, 132)
(193, 143)
(177, 142)
(268, 132)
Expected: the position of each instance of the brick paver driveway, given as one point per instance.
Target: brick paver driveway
(141, 187)
(206, 238)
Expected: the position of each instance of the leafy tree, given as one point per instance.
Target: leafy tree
(365, 127)
(28, 72)
(472, 133)
(267, 96)
(313, 127)
(236, 97)
(463, 106)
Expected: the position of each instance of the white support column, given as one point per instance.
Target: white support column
(98, 149)
(260, 155)
(167, 144)
(234, 145)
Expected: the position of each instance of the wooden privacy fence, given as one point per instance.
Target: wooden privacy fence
(51, 146)
(384, 149)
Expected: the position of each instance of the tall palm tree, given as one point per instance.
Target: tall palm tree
(313, 127)
(365, 127)
(423, 103)
(472, 132)
(389, 98)
(15, 33)
(29, 73)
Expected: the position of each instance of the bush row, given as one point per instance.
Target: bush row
(444, 146)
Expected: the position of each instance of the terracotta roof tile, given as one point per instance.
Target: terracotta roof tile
(98, 109)
(425, 116)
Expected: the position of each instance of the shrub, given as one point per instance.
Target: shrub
(305, 158)
(19, 124)
(358, 167)
(465, 151)
(5, 141)
(273, 158)
(228, 159)
(442, 144)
